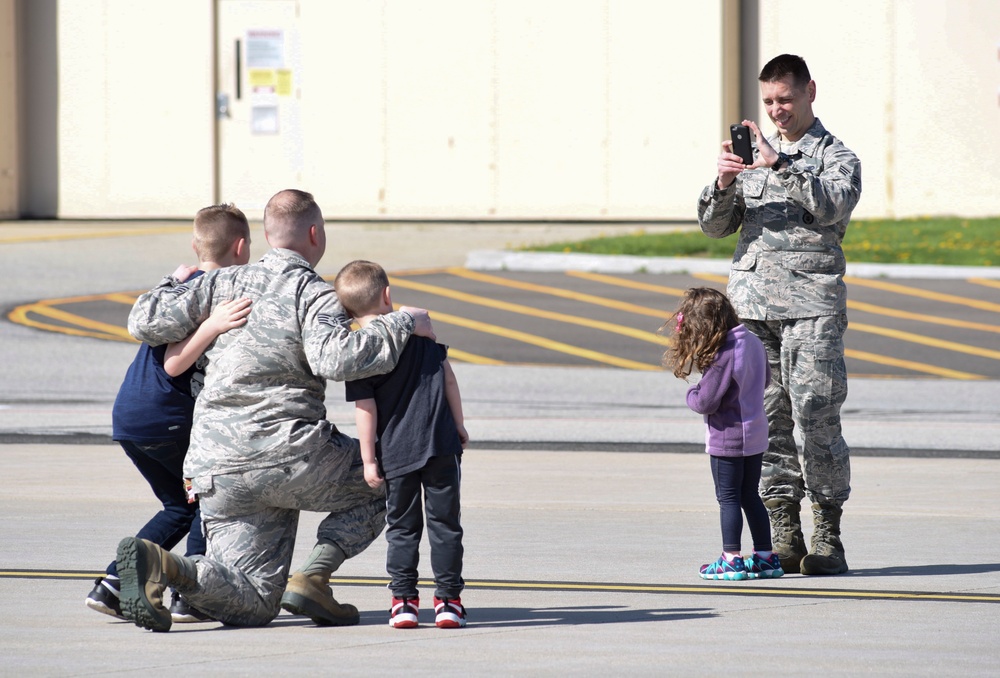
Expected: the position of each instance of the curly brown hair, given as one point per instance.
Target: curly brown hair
(699, 327)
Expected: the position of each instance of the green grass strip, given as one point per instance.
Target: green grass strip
(948, 241)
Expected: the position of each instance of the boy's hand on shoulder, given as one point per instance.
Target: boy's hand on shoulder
(373, 477)
(183, 272)
(229, 315)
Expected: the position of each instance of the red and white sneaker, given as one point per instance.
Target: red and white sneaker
(449, 614)
(403, 614)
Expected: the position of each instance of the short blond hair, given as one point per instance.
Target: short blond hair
(359, 287)
(217, 229)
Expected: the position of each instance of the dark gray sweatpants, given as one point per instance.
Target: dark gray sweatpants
(440, 480)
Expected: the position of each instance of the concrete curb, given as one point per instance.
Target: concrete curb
(503, 260)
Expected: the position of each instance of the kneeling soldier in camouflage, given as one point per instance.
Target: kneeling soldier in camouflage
(261, 449)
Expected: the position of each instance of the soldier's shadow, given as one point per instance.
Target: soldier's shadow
(924, 570)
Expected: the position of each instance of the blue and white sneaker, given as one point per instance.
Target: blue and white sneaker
(724, 569)
(763, 568)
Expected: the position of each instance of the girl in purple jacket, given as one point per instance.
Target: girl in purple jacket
(709, 338)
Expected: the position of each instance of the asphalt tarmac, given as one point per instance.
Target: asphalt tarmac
(587, 505)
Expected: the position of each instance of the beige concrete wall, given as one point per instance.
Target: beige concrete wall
(9, 118)
(136, 108)
(509, 109)
(912, 87)
(505, 109)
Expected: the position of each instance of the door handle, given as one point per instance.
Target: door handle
(222, 106)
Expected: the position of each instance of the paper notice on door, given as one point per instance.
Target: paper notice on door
(283, 81)
(265, 48)
(262, 77)
(264, 120)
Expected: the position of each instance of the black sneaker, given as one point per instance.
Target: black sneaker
(104, 598)
(182, 613)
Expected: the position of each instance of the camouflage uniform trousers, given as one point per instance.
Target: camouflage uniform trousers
(808, 387)
(251, 519)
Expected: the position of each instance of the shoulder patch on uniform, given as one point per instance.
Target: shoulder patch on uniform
(327, 319)
(849, 172)
(178, 290)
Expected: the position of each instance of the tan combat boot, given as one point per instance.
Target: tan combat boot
(786, 533)
(827, 553)
(310, 595)
(146, 570)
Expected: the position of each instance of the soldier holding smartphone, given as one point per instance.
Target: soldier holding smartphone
(791, 205)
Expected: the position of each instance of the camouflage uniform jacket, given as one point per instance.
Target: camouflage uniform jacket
(263, 399)
(788, 261)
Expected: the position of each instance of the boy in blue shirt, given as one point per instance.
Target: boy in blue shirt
(412, 433)
(153, 411)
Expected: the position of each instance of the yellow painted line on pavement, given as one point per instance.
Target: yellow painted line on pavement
(560, 292)
(779, 588)
(456, 353)
(78, 325)
(122, 298)
(857, 355)
(467, 357)
(909, 336)
(528, 310)
(729, 589)
(912, 365)
(923, 294)
(920, 317)
(541, 342)
(985, 282)
(927, 341)
(631, 284)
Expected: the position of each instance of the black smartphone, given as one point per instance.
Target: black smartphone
(741, 143)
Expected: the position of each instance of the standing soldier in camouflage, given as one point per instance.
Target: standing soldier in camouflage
(261, 449)
(792, 207)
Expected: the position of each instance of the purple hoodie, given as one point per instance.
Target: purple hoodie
(731, 396)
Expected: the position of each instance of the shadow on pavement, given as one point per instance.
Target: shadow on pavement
(498, 617)
(925, 570)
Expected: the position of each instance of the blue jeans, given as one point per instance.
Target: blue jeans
(162, 465)
(736, 481)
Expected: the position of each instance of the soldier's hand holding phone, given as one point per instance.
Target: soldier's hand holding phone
(740, 136)
(737, 153)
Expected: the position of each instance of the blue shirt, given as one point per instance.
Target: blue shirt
(152, 406)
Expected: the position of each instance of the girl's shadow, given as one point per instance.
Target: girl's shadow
(925, 570)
